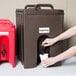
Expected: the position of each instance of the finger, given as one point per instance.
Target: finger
(43, 61)
(46, 45)
(45, 65)
(44, 42)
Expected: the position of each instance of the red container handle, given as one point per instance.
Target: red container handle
(6, 21)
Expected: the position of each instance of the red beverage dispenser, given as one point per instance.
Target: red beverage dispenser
(7, 41)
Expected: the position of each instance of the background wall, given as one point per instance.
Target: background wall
(8, 8)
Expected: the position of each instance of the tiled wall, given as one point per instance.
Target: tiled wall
(8, 7)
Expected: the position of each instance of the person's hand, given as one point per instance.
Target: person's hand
(49, 42)
(47, 62)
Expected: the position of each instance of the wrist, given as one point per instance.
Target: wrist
(56, 39)
(55, 59)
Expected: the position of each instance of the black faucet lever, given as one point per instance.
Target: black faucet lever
(3, 51)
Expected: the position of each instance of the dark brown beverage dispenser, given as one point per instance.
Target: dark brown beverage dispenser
(33, 26)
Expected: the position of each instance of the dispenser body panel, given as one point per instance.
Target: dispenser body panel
(32, 33)
(34, 24)
(4, 51)
(7, 41)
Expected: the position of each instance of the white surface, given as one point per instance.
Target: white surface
(67, 69)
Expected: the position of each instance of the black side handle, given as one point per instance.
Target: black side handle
(44, 5)
(29, 6)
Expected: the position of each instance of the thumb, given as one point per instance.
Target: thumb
(46, 45)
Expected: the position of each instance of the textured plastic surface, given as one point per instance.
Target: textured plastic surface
(7, 41)
(32, 25)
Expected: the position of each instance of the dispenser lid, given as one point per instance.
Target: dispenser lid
(5, 23)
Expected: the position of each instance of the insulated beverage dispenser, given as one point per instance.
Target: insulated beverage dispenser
(7, 41)
(33, 26)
